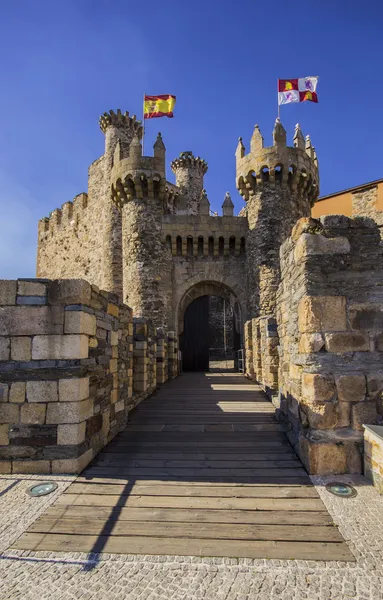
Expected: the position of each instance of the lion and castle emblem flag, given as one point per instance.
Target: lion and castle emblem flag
(297, 90)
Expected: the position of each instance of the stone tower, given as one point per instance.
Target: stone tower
(189, 171)
(119, 129)
(138, 192)
(279, 185)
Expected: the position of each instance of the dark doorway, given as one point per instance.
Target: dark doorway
(195, 338)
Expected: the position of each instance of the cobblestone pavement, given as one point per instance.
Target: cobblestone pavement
(68, 576)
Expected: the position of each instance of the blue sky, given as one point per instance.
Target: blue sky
(64, 62)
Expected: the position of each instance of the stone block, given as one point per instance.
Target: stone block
(113, 310)
(347, 341)
(32, 300)
(9, 413)
(113, 338)
(343, 410)
(72, 434)
(317, 387)
(4, 392)
(113, 365)
(59, 347)
(379, 342)
(33, 414)
(73, 390)
(322, 313)
(4, 434)
(323, 458)
(31, 466)
(304, 225)
(70, 291)
(31, 320)
(8, 290)
(295, 371)
(119, 406)
(375, 385)
(69, 412)
(80, 322)
(315, 244)
(42, 391)
(72, 465)
(367, 316)
(17, 392)
(311, 342)
(319, 415)
(5, 346)
(31, 288)
(351, 388)
(21, 348)
(364, 413)
(5, 467)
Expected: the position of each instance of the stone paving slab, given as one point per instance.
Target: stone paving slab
(66, 576)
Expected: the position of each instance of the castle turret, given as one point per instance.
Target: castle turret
(227, 206)
(119, 129)
(279, 185)
(189, 171)
(138, 192)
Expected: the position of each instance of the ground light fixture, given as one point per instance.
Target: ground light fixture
(42, 489)
(343, 490)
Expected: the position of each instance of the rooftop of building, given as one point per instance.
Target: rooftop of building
(357, 188)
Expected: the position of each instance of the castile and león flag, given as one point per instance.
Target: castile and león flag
(297, 90)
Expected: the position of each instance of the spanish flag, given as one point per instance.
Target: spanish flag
(158, 106)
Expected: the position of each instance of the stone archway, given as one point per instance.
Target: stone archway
(193, 322)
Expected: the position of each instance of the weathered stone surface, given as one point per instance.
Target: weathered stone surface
(5, 345)
(317, 387)
(363, 413)
(31, 288)
(72, 465)
(311, 342)
(375, 385)
(93, 425)
(73, 390)
(71, 434)
(70, 291)
(319, 415)
(323, 458)
(314, 244)
(17, 392)
(351, 388)
(31, 466)
(42, 391)
(79, 322)
(21, 348)
(9, 413)
(4, 436)
(7, 292)
(31, 320)
(366, 316)
(347, 341)
(33, 414)
(59, 347)
(4, 392)
(322, 313)
(69, 412)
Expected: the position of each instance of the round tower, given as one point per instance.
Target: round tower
(119, 130)
(279, 185)
(189, 171)
(138, 192)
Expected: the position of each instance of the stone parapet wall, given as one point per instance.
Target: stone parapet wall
(330, 326)
(368, 202)
(72, 366)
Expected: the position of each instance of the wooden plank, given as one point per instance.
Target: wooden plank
(106, 477)
(288, 504)
(192, 491)
(181, 547)
(196, 455)
(86, 478)
(218, 531)
(198, 472)
(128, 462)
(187, 515)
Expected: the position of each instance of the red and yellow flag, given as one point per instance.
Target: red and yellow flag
(297, 90)
(159, 106)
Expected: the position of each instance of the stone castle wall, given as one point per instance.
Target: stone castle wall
(365, 203)
(73, 364)
(330, 326)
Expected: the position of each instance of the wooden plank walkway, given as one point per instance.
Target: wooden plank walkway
(203, 469)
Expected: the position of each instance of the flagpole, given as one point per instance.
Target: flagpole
(279, 107)
(143, 125)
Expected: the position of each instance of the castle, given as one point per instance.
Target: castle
(306, 296)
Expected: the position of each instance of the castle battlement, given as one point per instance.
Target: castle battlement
(70, 213)
(293, 167)
(122, 121)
